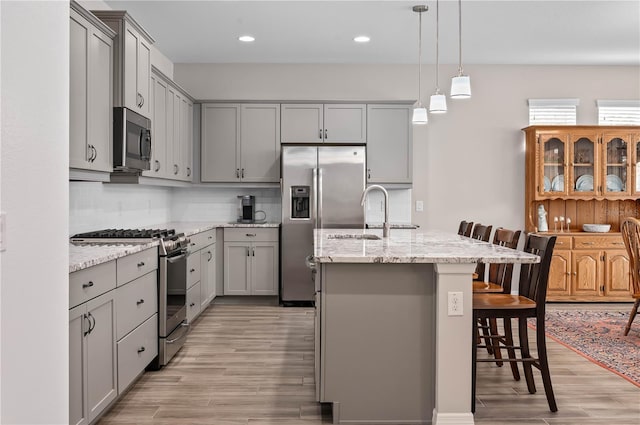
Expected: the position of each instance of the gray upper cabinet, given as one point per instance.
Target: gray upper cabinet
(132, 61)
(324, 123)
(240, 143)
(90, 92)
(389, 144)
(158, 99)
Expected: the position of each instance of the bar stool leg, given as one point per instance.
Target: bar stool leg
(526, 354)
(544, 364)
(511, 352)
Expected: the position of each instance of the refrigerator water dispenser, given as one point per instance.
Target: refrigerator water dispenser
(300, 202)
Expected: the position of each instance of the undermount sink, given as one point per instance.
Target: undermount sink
(353, 236)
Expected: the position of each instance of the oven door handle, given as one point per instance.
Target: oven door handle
(145, 144)
(182, 325)
(177, 258)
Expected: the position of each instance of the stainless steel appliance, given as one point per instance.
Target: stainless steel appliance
(172, 281)
(131, 141)
(321, 188)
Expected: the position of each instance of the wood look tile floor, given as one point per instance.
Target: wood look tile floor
(253, 365)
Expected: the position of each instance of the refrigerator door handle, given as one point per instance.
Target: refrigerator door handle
(314, 199)
(319, 198)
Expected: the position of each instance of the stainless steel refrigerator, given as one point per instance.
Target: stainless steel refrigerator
(321, 188)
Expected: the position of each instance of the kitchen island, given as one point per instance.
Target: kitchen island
(388, 348)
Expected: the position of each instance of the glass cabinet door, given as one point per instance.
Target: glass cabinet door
(616, 176)
(583, 159)
(636, 165)
(551, 179)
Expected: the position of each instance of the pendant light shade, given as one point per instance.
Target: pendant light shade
(461, 87)
(420, 112)
(460, 84)
(420, 115)
(438, 103)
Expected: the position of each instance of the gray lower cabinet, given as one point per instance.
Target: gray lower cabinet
(240, 143)
(136, 351)
(207, 275)
(389, 144)
(201, 269)
(90, 92)
(92, 358)
(251, 258)
(193, 302)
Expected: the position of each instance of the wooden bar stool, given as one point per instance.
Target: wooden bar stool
(481, 233)
(529, 303)
(631, 235)
(465, 228)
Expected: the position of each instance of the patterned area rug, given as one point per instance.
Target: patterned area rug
(598, 336)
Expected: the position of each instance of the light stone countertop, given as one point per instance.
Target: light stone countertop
(192, 227)
(411, 246)
(85, 256)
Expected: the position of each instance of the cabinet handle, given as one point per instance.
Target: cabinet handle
(210, 256)
(237, 173)
(85, 317)
(320, 133)
(192, 244)
(157, 165)
(141, 263)
(140, 350)
(188, 171)
(192, 270)
(175, 169)
(248, 252)
(209, 237)
(618, 243)
(568, 274)
(141, 301)
(575, 273)
(142, 97)
(250, 234)
(91, 326)
(95, 153)
(87, 285)
(368, 173)
(587, 243)
(139, 96)
(192, 304)
(253, 252)
(326, 134)
(242, 173)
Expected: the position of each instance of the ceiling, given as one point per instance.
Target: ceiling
(494, 32)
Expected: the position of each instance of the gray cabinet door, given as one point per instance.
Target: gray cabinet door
(220, 148)
(208, 275)
(187, 147)
(264, 268)
(389, 144)
(144, 75)
(78, 78)
(102, 385)
(302, 123)
(260, 143)
(193, 301)
(99, 105)
(236, 268)
(159, 165)
(77, 366)
(130, 94)
(345, 123)
(178, 163)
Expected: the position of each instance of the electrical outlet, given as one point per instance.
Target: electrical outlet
(419, 206)
(455, 304)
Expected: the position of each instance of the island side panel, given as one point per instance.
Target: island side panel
(378, 342)
(454, 336)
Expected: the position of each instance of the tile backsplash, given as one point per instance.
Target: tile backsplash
(94, 206)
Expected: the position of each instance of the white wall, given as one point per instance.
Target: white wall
(469, 163)
(34, 185)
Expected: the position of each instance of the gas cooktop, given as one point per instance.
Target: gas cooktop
(126, 234)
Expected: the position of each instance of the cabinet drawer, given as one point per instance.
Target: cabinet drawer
(89, 283)
(135, 265)
(193, 268)
(136, 351)
(251, 234)
(137, 301)
(200, 240)
(563, 242)
(193, 302)
(590, 242)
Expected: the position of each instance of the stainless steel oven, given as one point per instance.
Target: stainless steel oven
(172, 304)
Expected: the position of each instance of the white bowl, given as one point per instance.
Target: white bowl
(596, 228)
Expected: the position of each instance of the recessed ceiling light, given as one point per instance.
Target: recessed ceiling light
(246, 38)
(361, 39)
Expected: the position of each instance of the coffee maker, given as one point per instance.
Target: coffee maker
(247, 209)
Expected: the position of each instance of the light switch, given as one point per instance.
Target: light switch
(419, 206)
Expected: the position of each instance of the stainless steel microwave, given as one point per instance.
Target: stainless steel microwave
(131, 141)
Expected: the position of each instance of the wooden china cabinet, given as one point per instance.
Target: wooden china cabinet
(588, 174)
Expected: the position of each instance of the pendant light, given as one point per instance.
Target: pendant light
(438, 103)
(420, 112)
(460, 84)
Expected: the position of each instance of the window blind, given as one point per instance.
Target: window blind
(553, 111)
(618, 112)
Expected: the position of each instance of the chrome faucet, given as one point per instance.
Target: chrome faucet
(386, 226)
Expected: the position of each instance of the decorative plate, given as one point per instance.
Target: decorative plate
(547, 184)
(614, 183)
(557, 184)
(584, 183)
